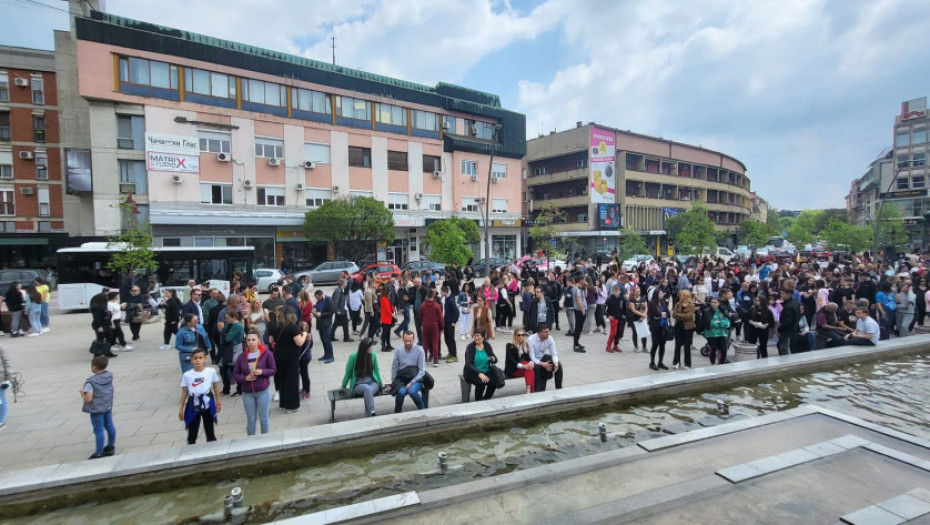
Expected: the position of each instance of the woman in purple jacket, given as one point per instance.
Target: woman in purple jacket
(253, 371)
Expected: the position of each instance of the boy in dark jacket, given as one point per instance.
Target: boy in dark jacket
(97, 394)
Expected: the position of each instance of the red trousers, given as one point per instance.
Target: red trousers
(528, 375)
(616, 332)
(431, 343)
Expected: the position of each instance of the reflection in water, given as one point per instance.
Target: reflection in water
(890, 394)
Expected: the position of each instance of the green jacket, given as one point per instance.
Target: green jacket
(349, 378)
(719, 325)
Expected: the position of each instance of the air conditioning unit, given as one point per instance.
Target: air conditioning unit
(437, 174)
(473, 129)
(26, 155)
(495, 179)
(300, 186)
(27, 191)
(127, 187)
(21, 82)
(274, 162)
(446, 126)
(474, 177)
(309, 165)
(247, 184)
(175, 178)
(335, 189)
(223, 157)
(417, 196)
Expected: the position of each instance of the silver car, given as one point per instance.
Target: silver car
(328, 272)
(265, 278)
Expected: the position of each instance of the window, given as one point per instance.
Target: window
(132, 177)
(397, 160)
(316, 197)
(139, 214)
(920, 136)
(541, 170)
(312, 101)
(38, 129)
(902, 139)
(270, 196)
(432, 202)
(431, 163)
(448, 124)
(269, 148)
(130, 131)
(917, 182)
(902, 183)
(5, 126)
(6, 164)
(38, 89)
(41, 159)
(581, 164)
(213, 193)
(480, 130)
(355, 194)
(213, 141)
(903, 160)
(425, 120)
(315, 152)
(499, 205)
(43, 199)
(469, 167)
(7, 204)
(390, 114)
(359, 157)
(266, 93)
(209, 83)
(353, 108)
(470, 204)
(918, 159)
(398, 201)
(148, 73)
(4, 86)
(582, 217)
(499, 171)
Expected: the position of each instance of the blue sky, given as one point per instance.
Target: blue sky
(804, 92)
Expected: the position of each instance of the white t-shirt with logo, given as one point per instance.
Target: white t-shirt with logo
(199, 383)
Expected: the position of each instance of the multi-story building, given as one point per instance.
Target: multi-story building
(593, 173)
(224, 144)
(30, 159)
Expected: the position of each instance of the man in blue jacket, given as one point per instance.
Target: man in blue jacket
(450, 315)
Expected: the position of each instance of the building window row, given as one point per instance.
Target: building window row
(152, 73)
(5, 126)
(905, 137)
(130, 132)
(4, 86)
(36, 83)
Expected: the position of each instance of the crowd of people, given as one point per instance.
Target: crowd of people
(262, 349)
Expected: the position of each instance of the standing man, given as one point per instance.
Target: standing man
(408, 369)
(451, 317)
(323, 312)
(569, 297)
(553, 292)
(340, 303)
(580, 304)
(544, 357)
(272, 303)
(789, 321)
(369, 298)
(290, 301)
(418, 295)
(403, 304)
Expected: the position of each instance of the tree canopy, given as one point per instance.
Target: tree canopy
(135, 243)
(754, 233)
(856, 238)
(448, 240)
(631, 244)
(350, 225)
(692, 230)
(543, 231)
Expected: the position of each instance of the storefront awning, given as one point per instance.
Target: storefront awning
(34, 241)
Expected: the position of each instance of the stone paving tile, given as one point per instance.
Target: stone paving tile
(906, 506)
(872, 515)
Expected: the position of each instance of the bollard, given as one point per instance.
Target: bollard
(237, 497)
(443, 461)
(602, 430)
(723, 408)
(227, 506)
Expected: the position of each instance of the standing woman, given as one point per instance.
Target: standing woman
(637, 312)
(920, 306)
(465, 300)
(904, 313)
(387, 317)
(288, 342)
(518, 362)
(232, 336)
(44, 294)
(658, 320)
(717, 333)
(761, 319)
(504, 306)
(481, 318)
(479, 356)
(306, 307)
(600, 304)
(252, 372)
(14, 303)
(34, 309)
(355, 306)
(432, 323)
(363, 377)
(683, 312)
(257, 319)
(172, 306)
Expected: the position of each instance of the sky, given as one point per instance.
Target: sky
(803, 92)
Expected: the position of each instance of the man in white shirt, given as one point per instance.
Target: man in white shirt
(544, 357)
(867, 330)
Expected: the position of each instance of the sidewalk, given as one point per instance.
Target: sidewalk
(46, 425)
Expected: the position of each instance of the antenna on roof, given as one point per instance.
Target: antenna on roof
(334, 48)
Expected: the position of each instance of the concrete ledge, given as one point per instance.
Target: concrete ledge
(167, 465)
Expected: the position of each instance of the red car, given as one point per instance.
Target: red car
(382, 271)
(822, 254)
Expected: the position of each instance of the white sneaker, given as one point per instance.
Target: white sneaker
(116, 347)
(33, 334)
(46, 330)
(163, 347)
(127, 348)
(277, 396)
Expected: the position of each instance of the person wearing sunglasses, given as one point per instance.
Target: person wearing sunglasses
(518, 362)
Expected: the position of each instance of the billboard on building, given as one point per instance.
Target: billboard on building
(916, 108)
(608, 216)
(79, 175)
(602, 162)
(172, 153)
(668, 213)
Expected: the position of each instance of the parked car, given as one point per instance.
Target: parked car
(382, 271)
(630, 264)
(25, 276)
(496, 262)
(328, 272)
(425, 266)
(724, 254)
(265, 278)
(821, 253)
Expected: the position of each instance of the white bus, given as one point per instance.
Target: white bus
(82, 272)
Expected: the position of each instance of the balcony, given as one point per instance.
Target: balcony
(566, 202)
(562, 176)
(658, 178)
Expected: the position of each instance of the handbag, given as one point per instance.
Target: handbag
(100, 347)
(497, 375)
(668, 332)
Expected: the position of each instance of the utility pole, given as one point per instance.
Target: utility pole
(333, 45)
(487, 203)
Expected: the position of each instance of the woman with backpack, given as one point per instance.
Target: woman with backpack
(684, 314)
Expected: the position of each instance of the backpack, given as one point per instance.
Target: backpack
(701, 320)
(567, 293)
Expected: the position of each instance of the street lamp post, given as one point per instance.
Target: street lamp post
(487, 203)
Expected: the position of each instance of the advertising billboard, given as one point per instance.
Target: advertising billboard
(916, 108)
(608, 216)
(172, 153)
(602, 161)
(79, 175)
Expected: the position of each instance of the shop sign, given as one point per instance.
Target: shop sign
(906, 193)
(506, 223)
(408, 222)
(289, 235)
(172, 153)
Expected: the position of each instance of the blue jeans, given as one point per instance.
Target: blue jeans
(3, 405)
(43, 316)
(102, 422)
(256, 404)
(35, 318)
(367, 388)
(405, 324)
(326, 342)
(414, 394)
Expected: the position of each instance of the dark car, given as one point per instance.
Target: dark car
(425, 266)
(496, 262)
(22, 275)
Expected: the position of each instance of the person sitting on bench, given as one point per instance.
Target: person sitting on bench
(545, 359)
(362, 377)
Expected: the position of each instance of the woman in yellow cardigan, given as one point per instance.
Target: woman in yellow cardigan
(362, 376)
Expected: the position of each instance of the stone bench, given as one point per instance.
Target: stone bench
(341, 394)
(466, 387)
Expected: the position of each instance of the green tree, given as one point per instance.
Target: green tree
(856, 238)
(799, 233)
(631, 244)
(891, 231)
(135, 244)
(449, 239)
(351, 225)
(543, 231)
(754, 233)
(694, 233)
